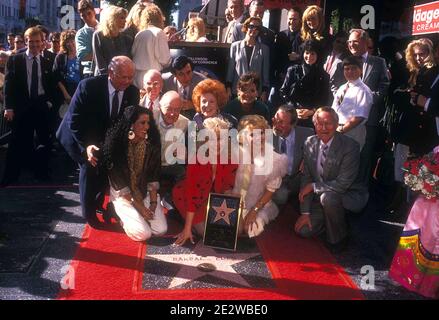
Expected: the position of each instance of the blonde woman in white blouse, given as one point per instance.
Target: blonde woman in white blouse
(256, 182)
(150, 49)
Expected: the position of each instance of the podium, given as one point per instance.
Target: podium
(209, 58)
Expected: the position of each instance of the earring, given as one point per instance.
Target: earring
(146, 136)
(131, 134)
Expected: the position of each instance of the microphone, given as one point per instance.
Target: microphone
(179, 32)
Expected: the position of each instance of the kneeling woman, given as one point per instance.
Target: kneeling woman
(132, 158)
(257, 181)
(191, 195)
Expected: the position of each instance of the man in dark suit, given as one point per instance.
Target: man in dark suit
(430, 105)
(285, 53)
(289, 139)
(97, 103)
(329, 184)
(28, 86)
(288, 43)
(376, 77)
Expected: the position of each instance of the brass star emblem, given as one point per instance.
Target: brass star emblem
(223, 212)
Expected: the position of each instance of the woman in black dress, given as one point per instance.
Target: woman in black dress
(306, 86)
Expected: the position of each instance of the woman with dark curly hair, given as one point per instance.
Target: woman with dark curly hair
(132, 158)
(209, 98)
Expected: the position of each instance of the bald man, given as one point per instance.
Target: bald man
(169, 118)
(152, 87)
(96, 105)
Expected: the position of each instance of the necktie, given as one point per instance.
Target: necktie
(115, 106)
(34, 81)
(341, 98)
(323, 159)
(329, 64)
(151, 105)
(186, 93)
(283, 145)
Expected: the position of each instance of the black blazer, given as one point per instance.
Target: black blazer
(88, 117)
(310, 90)
(17, 96)
(433, 107)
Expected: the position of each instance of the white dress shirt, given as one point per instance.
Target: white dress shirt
(155, 104)
(357, 102)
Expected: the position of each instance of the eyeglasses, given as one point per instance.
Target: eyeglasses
(19, 41)
(252, 26)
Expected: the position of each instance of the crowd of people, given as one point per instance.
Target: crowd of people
(131, 107)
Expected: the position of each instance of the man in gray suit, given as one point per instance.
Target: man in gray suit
(329, 185)
(376, 77)
(183, 79)
(236, 8)
(289, 139)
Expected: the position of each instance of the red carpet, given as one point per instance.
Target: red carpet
(108, 265)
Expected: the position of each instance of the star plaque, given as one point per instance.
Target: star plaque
(222, 221)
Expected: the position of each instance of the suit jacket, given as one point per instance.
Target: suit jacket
(302, 133)
(239, 63)
(340, 170)
(285, 43)
(88, 117)
(376, 77)
(170, 82)
(17, 95)
(433, 106)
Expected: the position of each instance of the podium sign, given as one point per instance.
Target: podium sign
(209, 58)
(222, 221)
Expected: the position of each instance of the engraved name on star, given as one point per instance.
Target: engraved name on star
(223, 212)
(201, 254)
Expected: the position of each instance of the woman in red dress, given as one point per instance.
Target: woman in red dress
(191, 195)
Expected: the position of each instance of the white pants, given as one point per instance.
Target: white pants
(135, 225)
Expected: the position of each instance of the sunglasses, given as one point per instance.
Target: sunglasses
(252, 26)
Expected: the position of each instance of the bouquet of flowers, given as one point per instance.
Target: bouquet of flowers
(422, 174)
